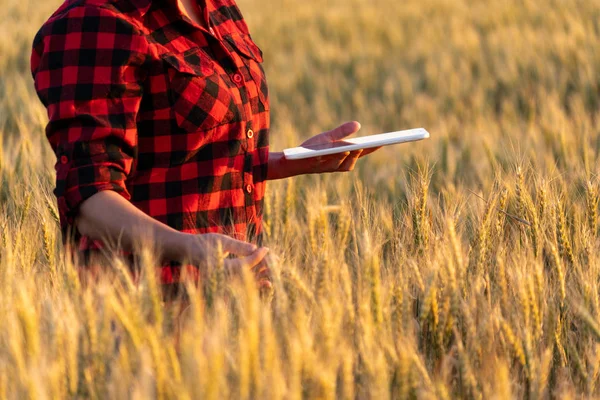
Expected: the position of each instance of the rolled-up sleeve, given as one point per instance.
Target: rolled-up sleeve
(88, 69)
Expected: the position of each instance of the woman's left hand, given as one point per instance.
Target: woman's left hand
(340, 162)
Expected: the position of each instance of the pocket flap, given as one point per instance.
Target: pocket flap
(245, 45)
(192, 62)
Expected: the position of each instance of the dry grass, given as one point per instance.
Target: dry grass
(461, 267)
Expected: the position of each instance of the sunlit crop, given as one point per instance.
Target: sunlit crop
(464, 266)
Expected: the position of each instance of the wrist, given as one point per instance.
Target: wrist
(177, 245)
(274, 166)
(279, 167)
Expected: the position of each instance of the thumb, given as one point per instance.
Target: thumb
(247, 262)
(344, 130)
(237, 247)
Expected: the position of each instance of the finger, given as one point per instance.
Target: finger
(261, 271)
(350, 161)
(236, 247)
(236, 265)
(331, 160)
(265, 289)
(369, 151)
(337, 164)
(264, 284)
(343, 130)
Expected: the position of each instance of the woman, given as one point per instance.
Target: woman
(159, 118)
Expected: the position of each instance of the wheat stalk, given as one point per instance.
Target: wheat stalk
(592, 198)
(564, 244)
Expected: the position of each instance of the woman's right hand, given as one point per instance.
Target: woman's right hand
(204, 248)
(126, 222)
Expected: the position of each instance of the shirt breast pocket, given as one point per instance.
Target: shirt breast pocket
(252, 58)
(200, 98)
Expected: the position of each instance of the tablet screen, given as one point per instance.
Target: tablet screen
(355, 143)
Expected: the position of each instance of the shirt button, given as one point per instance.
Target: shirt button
(249, 188)
(237, 78)
(64, 159)
(250, 133)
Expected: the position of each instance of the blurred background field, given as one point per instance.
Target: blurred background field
(465, 266)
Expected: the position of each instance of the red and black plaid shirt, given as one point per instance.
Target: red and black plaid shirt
(172, 116)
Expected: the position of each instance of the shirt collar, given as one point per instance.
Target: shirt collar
(141, 6)
(131, 7)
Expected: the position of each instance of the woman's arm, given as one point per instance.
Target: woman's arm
(280, 167)
(108, 215)
(92, 94)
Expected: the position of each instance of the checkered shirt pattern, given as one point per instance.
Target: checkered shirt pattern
(172, 116)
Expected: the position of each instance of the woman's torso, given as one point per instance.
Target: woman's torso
(203, 124)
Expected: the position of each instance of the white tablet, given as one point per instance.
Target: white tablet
(356, 143)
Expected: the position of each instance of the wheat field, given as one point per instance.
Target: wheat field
(465, 266)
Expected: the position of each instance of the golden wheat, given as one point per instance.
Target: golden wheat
(393, 281)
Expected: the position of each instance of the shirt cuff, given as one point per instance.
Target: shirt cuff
(77, 183)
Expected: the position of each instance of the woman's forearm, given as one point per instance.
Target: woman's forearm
(273, 167)
(108, 215)
(278, 168)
